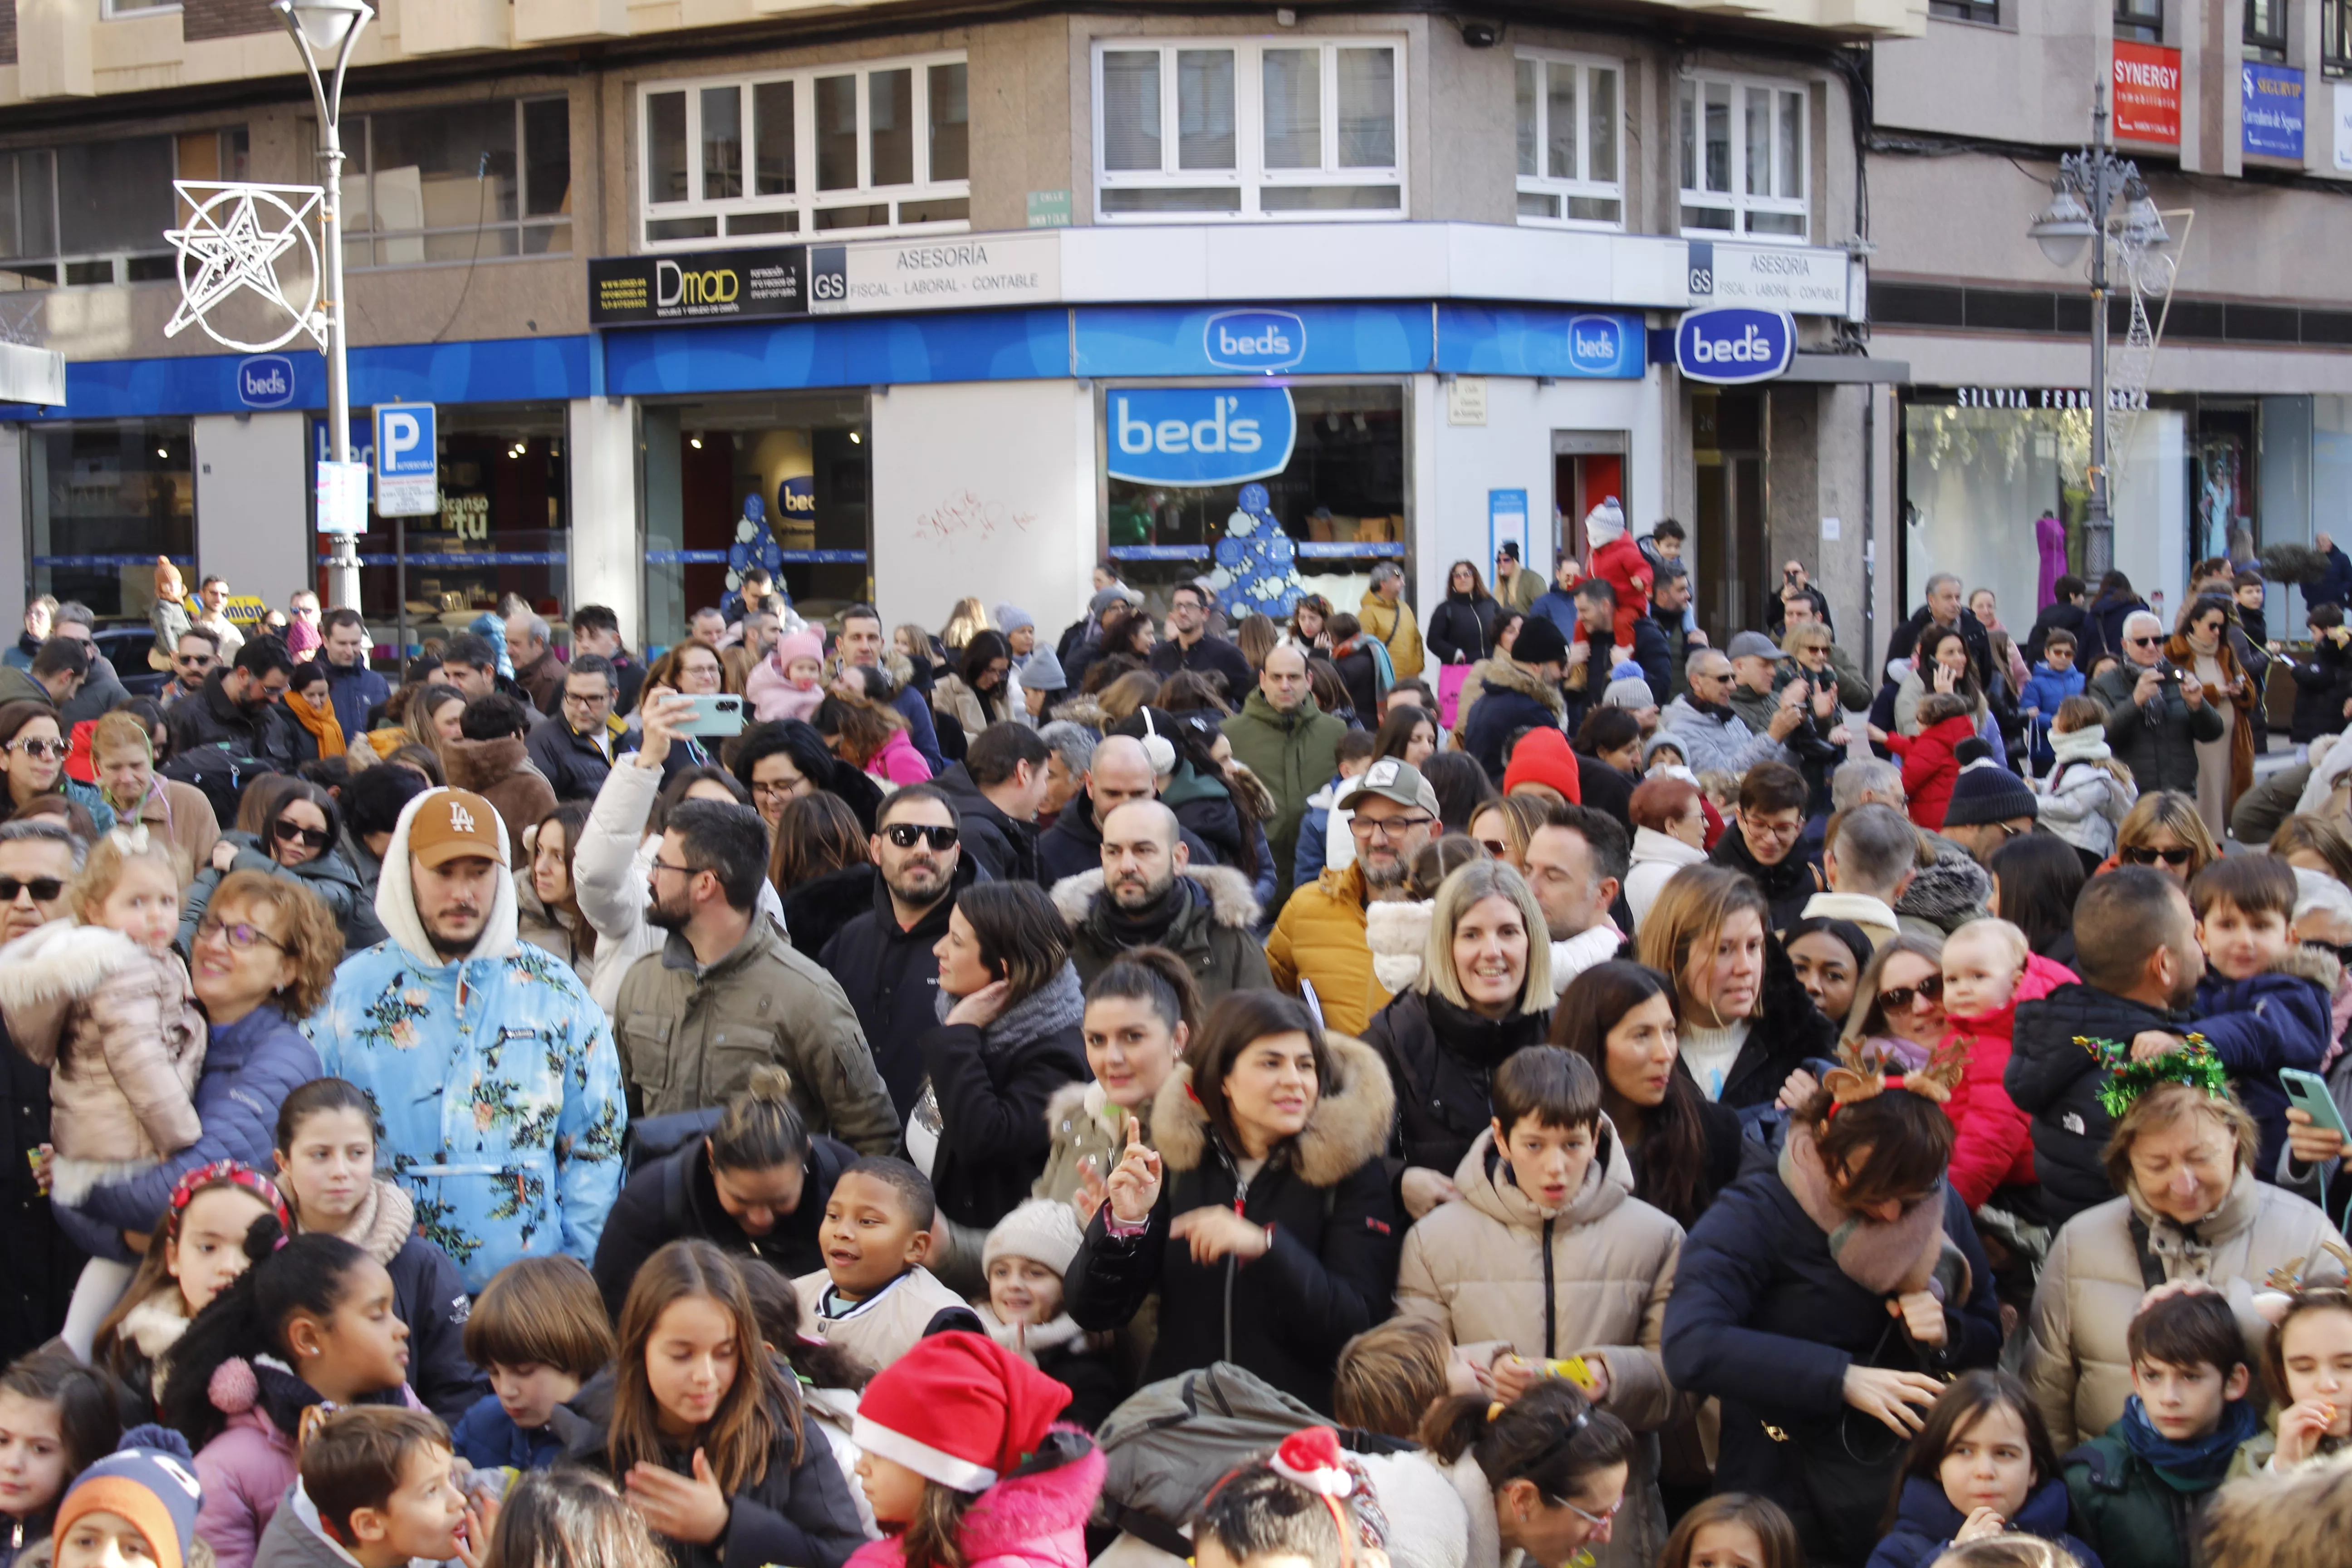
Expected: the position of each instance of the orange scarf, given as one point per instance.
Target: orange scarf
(320, 721)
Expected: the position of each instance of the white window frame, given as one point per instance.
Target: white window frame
(1560, 189)
(1250, 174)
(805, 202)
(126, 10)
(1739, 203)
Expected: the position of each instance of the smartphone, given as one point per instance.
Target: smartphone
(2307, 1092)
(717, 715)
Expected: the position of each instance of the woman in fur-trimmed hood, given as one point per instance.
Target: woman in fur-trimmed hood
(1263, 1220)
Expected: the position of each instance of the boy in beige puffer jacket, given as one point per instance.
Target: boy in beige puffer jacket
(1550, 1253)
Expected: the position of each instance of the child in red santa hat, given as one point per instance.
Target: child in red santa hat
(964, 1462)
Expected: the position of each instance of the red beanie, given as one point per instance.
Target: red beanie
(958, 1409)
(1543, 758)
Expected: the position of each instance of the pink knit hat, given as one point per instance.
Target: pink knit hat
(798, 644)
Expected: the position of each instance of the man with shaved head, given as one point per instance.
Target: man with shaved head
(1149, 891)
(1290, 744)
(1118, 772)
(2156, 712)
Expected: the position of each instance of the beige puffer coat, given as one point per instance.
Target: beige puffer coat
(1479, 1269)
(2092, 1285)
(116, 1026)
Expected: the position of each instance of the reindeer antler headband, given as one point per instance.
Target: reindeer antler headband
(1857, 1078)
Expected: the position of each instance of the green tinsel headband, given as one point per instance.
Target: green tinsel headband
(2194, 1065)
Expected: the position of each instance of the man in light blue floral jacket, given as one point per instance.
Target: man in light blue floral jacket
(496, 1087)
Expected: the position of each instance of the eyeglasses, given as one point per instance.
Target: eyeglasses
(779, 789)
(1899, 1000)
(295, 833)
(903, 834)
(42, 889)
(2142, 857)
(1595, 1520)
(1387, 827)
(37, 749)
(240, 937)
(661, 865)
(577, 701)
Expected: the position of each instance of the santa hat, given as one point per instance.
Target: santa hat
(1605, 523)
(1043, 1230)
(958, 1409)
(1311, 1459)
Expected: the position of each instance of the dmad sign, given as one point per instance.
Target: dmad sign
(1728, 345)
(1199, 437)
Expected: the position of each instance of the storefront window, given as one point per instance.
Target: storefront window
(106, 499)
(1975, 480)
(1339, 498)
(776, 481)
(504, 527)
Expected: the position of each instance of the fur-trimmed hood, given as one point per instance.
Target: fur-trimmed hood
(45, 972)
(2311, 964)
(1348, 1125)
(1950, 894)
(480, 765)
(1504, 674)
(1396, 932)
(1240, 780)
(1231, 902)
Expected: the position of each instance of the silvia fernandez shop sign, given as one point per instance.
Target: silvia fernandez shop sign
(1730, 346)
(1197, 438)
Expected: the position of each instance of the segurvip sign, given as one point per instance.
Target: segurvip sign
(2270, 100)
(2148, 93)
(1197, 438)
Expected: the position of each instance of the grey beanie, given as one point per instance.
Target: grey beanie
(1013, 617)
(1043, 672)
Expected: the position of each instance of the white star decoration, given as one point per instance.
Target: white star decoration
(232, 243)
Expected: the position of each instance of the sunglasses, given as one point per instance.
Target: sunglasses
(293, 833)
(1899, 1000)
(2142, 642)
(905, 833)
(193, 659)
(42, 889)
(1495, 847)
(2150, 857)
(38, 749)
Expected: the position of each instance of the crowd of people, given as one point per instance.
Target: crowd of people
(1513, 1082)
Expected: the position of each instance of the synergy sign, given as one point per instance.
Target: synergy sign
(1197, 438)
(1730, 346)
(1253, 340)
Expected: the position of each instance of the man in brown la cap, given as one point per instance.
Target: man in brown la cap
(492, 1069)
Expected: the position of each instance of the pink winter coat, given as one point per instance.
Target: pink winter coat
(773, 696)
(249, 1467)
(1995, 1144)
(898, 761)
(116, 1026)
(1030, 1521)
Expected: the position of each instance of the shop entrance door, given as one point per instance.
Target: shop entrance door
(1729, 572)
(1587, 467)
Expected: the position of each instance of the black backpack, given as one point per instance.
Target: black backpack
(220, 770)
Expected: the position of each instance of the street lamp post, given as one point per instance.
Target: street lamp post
(2094, 192)
(319, 28)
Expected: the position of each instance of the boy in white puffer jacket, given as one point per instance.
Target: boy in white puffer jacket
(2087, 794)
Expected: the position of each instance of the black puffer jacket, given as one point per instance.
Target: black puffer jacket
(799, 1513)
(1789, 885)
(990, 1087)
(2161, 753)
(1324, 1197)
(2055, 1081)
(2322, 682)
(892, 979)
(674, 1199)
(1441, 1060)
(1462, 629)
(42, 1266)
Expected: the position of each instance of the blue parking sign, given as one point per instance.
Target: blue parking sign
(407, 460)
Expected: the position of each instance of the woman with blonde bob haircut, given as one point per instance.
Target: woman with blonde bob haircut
(2164, 829)
(1484, 991)
(1748, 1022)
(2182, 1155)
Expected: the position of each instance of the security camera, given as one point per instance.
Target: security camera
(1481, 35)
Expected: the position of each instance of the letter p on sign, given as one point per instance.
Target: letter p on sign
(407, 464)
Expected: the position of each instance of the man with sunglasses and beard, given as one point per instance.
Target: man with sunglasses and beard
(729, 993)
(883, 958)
(38, 857)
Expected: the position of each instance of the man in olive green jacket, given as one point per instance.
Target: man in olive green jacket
(1291, 745)
(728, 993)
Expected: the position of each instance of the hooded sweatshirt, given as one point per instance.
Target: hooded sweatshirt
(493, 1070)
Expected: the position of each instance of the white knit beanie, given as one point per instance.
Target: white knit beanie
(1605, 523)
(1043, 1230)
